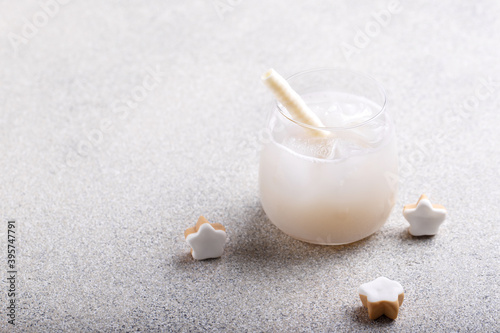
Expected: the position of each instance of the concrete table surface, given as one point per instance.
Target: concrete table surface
(123, 121)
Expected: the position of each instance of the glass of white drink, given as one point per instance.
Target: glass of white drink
(340, 186)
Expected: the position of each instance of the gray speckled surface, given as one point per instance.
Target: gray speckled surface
(101, 224)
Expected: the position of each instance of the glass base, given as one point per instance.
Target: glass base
(326, 243)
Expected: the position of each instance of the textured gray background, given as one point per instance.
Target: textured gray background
(101, 223)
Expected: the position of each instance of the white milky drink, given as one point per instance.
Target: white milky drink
(340, 187)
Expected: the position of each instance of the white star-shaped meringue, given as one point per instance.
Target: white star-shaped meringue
(206, 239)
(424, 217)
(382, 296)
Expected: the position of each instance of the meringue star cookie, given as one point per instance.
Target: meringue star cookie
(424, 217)
(207, 240)
(382, 296)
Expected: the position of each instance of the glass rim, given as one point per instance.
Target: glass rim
(379, 86)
